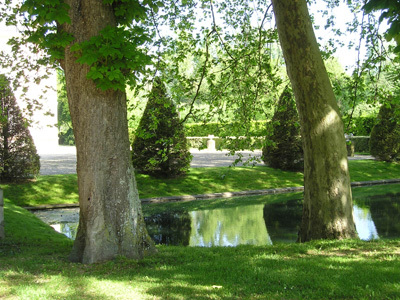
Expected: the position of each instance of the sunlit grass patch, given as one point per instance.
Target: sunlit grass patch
(48, 189)
(63, 189)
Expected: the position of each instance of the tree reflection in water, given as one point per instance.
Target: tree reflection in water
(229, 227)
(259, 224)
(169, 228)
(283, 220)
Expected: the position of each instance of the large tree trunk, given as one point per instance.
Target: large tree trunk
(111, 222)
(327, 210)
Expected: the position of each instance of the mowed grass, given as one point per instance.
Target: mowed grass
(62, 189)
(33, 265)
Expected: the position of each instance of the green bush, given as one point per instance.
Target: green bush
(283, 149)
(385, 135)
(160, 148)
(18, 155)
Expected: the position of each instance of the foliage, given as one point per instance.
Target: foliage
(385, 135)
(391, 12)
(284, 149)
(115, 56)
(43, 17)
(229, 69)
(65, 130)
(362, 126)
(18, 155)
(160, 147)
(359, 89)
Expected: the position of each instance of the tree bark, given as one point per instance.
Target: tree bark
(111, 222)
(327, 209)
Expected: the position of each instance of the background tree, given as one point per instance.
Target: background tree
(385, 135)
(363, 81)
(159, 148)
(284, 149)
(327, 209)
(65, 130)
(18, 155)
(235, 74)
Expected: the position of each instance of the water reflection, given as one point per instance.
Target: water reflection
(385, 213)
(229, 227)
(283, 220)
(69, 229)
(364, 225)
(170, 228)
(261, 224)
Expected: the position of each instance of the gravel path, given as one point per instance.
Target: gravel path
(63, 160)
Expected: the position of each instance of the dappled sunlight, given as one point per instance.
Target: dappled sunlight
(344, 166)
(327, 121)
(51, 285)
(116, 288)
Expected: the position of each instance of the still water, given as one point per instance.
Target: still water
(259, 224)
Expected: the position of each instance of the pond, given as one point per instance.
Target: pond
(256, 224)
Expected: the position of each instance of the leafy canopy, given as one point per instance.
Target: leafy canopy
(390, 12)
(115, 56)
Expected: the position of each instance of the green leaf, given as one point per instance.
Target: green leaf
(94, 74)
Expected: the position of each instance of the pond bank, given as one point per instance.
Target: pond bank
(221, 195)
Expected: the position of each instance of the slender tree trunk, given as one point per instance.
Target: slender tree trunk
(327, 210)
(111, 221)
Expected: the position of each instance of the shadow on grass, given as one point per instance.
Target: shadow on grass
(246, 272)
(49, 189)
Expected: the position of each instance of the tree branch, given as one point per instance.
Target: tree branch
(203, 74)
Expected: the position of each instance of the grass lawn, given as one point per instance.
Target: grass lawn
(33, 265)
(61, 189)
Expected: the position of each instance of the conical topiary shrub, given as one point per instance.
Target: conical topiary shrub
(18, 155)
(160, 148)
(284, 149)
(385, 135)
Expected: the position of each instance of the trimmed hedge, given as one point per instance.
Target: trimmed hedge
(258, 128)
(361, 143)
(18, 155)
(160, 146)
(361, 126)
(385, 136)
(283, 149)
